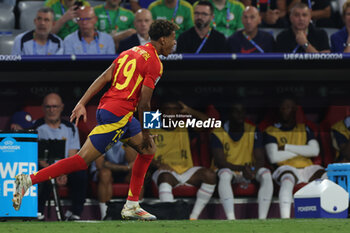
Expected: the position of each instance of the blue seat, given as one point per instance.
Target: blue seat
(7, 17)
(28, 10)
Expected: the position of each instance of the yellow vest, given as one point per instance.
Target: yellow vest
(237, 152)
(296, 136)
(340, 127)
(173, 148)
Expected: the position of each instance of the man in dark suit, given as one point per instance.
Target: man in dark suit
(142, 23)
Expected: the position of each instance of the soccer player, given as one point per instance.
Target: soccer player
(291, 145)
(238, 153)
(133, 76)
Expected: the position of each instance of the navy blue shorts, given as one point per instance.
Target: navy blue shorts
(111, 128)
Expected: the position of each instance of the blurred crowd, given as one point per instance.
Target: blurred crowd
(205, 26)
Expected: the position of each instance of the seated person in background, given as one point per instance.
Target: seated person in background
(115, 20)
(137, 4)
(86, 40)
(302, 36)
(239, 153)
(21, 120)
(321, 13)
(340, 139)
(272, 12)
(340, 41)
(39, 41)
(142, 22)
(227, 16)
(114, 166)
(202, 38)
(251, 39)
(177, 11)
(65, 15)
(290, 146)
(173, 159)
(53, 127)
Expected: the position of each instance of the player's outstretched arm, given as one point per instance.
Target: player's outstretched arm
(95, 87)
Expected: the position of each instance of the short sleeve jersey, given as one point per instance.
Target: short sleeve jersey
(229, 19)
(134, 68)
(263, 42)
(181, 15)
(109, 20)
(59, 8)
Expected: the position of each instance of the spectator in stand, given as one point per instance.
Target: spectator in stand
(239, 155)
(202, 38)
(251, 39)
(114, 166)
(321, 11)
(340, 138)
(137, 4)
(302, 36)
(21, 120)
(227, 16)
(115, 20)
(39, 41)
(52, 126)
(272, 12)
(177, 11)
(87, 40)
(65, 15)
(290, 146)
(340, 41)
(173, 159)
(142, 22)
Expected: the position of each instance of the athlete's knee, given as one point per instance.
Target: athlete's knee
(264, 174)
(149, 151)
(147, 156)
(209, 176)
(206, 176)
(165, 177)
(288, 177)
(225, 174)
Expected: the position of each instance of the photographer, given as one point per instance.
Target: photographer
(65, 14)
(52, 127)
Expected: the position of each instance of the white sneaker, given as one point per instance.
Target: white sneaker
(22, 184)
(136, 213)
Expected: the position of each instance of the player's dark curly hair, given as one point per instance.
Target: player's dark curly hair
(160, 28)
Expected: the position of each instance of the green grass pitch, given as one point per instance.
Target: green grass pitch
(200, 226)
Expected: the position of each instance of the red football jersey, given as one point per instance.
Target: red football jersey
(135, 67)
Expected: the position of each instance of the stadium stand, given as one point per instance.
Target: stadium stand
(95, 3)
(6, 41)
(28, 10)
(7, 17)
(330, 31)
(9, 2)
(7, 37)
(273, 31)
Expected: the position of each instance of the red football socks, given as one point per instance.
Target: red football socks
(139, 170)
(64, 166)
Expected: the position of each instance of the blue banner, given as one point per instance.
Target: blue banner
(18, 154)
(185, 57)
